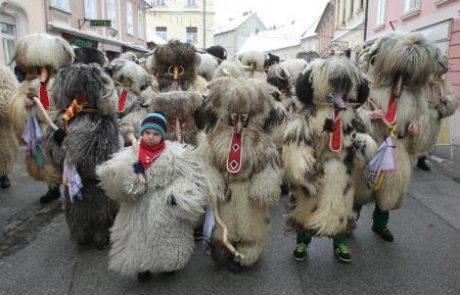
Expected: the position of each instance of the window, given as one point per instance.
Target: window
(380, 19)
(191, 35)
(162, 33)
(129, 18)
(160, 3)
(140, 23)
(411, 5)
(8, 37)
(63, 4)
(361, 4)
(191, 2)
(90, 9)
(112, 12)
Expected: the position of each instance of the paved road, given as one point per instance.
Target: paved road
(424, 259)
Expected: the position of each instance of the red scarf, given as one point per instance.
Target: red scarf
(148, 154)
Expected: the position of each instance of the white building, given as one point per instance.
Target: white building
(185, 20)
(233, 35)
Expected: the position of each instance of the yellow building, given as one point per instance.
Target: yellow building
(182, 20)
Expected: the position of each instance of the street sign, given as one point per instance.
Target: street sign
(100, 23)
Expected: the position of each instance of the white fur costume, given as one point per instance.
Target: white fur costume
(149, 233)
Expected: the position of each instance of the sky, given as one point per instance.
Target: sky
(270, 12)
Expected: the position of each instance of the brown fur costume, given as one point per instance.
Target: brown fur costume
(32, 52)
(243, 198)
(321, 179)
(91, 137)
(174, 66)
(8, 142)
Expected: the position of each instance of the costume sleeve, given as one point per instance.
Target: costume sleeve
(265, 187)
(118, 179)
(451, 104)
(298, 157)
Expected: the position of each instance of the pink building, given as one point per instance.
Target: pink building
(325, 28)
(439, 20)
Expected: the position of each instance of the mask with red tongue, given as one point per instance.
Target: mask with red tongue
(123, 95)
(236, 145)
(44, 99)
(335, 140)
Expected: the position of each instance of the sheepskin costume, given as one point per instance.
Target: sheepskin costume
(89, 55)
(86, 100)
(243, 166)
(442, 102)
(321, 145)
(180, 107)
(254, 63)
(208, 65)
(8, 143)
(407, 60)
(153, 230)
(131, 80)
(174, 66)
(229, 69)
(39, 56)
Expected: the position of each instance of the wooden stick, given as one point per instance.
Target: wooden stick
(225, 240)
(45, 114)
(375, 106)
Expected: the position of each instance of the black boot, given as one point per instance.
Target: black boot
(144, 276)
(198, 234)
(51, 195)
(234, 265)
(384, 233)
(421, 163)
(5, 181)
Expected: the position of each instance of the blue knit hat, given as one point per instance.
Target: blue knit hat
(157, 121)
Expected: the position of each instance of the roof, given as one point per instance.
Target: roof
(284, 37)
(310, 31)
(353, 28)
(234, 23)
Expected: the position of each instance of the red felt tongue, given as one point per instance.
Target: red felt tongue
(392, 111)
(122, 100)
(234, 155)
(335, 142)
(44, 99)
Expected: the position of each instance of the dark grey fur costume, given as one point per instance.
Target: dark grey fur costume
(92, 135)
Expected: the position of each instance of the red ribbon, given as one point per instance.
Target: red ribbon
(234, 154)
(392, 112)
(122, 100)
(335, 142)
(44, 99)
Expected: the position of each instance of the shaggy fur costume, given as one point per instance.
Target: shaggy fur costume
(409, 56)
(32, 52)
(230, 69)
(184, 57)
(8, 143)
(207, 66)
(321, 180)
(88, 55)
(150, 232)
(437, 89)
(178, 105)
(254, 63)
(243, 198)
(92, 135)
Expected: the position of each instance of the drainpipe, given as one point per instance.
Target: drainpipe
(365, 20)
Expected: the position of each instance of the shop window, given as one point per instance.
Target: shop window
(191, 35)
(8, 36)
(62, 4)
(162, 32)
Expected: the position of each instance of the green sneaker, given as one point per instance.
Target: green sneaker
(300, 251)
(343, 253)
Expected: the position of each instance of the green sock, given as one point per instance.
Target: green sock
(340, 240)
(380, 217)
(303, 237)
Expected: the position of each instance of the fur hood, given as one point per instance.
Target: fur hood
(43, 50)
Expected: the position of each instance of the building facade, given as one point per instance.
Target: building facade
(71, 20)
(326, 28)
(349, 25)
(185, 20)
(237, 31)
